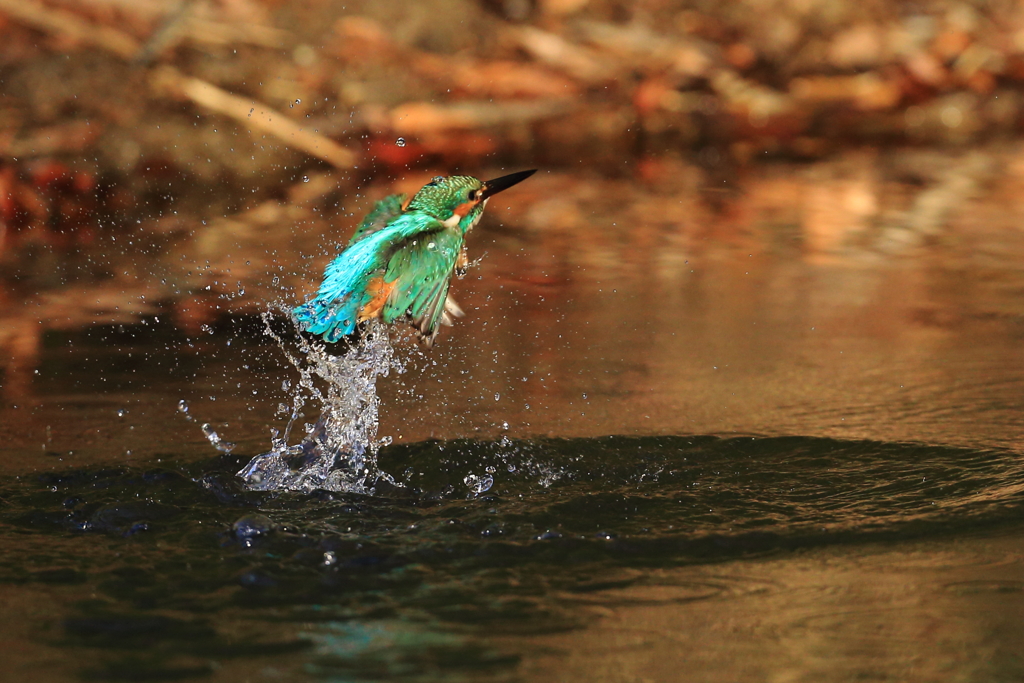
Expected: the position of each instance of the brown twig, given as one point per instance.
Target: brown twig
(256, 115)
(420, 118)
(557, 52)
(68, 25)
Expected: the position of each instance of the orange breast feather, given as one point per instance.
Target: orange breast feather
(379, 292)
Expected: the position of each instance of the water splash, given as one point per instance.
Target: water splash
(208, 431)
(338, 451)
(214, 438)
(479, 484)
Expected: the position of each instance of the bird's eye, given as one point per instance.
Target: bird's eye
(473, 194)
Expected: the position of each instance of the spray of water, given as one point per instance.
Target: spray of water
(338, 451)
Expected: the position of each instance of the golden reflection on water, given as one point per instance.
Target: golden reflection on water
(873, 296)
(926, 611)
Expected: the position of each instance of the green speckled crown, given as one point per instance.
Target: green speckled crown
(441, 195)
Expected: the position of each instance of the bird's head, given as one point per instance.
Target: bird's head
(459, 200)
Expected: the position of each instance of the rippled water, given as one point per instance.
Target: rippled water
(179, 571)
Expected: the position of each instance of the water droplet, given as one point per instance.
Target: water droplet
(478, 484)
(497, 397)
(251, 111)
(252, 526)
(122, 412)
(400, 142)
(215, 440)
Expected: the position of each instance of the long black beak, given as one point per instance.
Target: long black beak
(493, 187)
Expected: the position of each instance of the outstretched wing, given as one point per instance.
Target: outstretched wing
(383, 212)
(420, 271)
(352, 281)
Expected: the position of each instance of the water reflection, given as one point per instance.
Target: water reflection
(886, 614)
(779, 305)
(875, 297)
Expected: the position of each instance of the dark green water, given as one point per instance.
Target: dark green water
(174, 571)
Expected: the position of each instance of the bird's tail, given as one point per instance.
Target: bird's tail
(334, 312)
(352, 282)
(329, 319)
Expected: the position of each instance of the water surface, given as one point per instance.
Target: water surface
(704, 448)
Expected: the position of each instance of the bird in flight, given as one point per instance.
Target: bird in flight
(400, 261)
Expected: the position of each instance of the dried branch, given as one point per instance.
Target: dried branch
(557, 52)
(68, 25)
(419, 118)
(256, 115)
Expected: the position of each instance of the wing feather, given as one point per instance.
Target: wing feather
(349, 280)
(383, 213)
(421, 270)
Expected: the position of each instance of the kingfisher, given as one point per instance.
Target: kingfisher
(400, 260)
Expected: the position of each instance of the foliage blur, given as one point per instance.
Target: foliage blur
(151, 151)
(109, 106)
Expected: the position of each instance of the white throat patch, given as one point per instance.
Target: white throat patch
(453, 220)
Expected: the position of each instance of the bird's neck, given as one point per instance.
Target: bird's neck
(465, 222)
(469, 221)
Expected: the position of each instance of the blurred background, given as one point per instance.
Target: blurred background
(848, 167)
